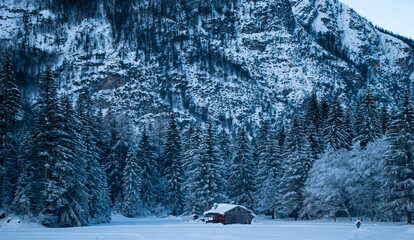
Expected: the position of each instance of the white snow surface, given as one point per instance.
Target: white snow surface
(150, 228)
(222, 208)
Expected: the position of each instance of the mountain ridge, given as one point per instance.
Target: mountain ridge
(235, 62)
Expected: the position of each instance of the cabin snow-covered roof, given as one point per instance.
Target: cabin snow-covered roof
(222, 208)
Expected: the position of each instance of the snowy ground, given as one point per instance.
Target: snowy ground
(157, 228)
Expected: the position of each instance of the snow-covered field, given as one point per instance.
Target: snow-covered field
(163, 228)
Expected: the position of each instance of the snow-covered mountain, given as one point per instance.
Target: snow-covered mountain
(235, 61)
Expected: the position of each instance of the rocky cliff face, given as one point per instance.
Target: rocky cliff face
(232, 61)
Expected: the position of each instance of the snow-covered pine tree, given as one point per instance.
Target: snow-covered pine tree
(313, 128)
(261, 159)
(242, 180)
(9, 112)
(75, 211)
(112, 163)
(188, 146)
(97, 197)
(312, 113)
(99, 125)
(47, 189)
(104, 211)
(261, 142)
(226, 152)
(255, 150)
(214, 168)
(56, 180)
(270, 174)
(8, 168)
(349, 126)
(297, 163)
(192, 164)
(399, 161)
(22, 204)
(131, 186)
(323, 111)
(368, 121)
(172, 168)
(384, 118)
(335, 134)
(147, 162)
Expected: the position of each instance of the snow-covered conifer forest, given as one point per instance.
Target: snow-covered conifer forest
(296, 109)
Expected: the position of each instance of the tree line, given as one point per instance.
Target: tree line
(71, 164)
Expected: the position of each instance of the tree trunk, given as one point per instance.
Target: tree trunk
(3, 188)
(409, 217)
(371, 210)
(347, 212)
(273, 214)
(394, 216)
(334, 217)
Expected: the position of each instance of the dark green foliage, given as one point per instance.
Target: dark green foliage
(241, 183)
(349, 126)
(172, 168)
(9, 114)
(399, 161)
(131, 185)
(269, 175)
(313, 128)
(224, 144)
(55, 171)
(368, 121)
(384, 118)
(296, 166)
(99, 207)
(150, 176)
(335, 133)
(324, 111)
(204, 185)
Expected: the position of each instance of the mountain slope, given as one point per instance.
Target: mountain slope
(233, 61)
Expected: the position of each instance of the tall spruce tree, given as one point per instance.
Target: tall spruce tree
(281, 136)
(75, 212)
(399, 161)
(112, 163)
(368, 121)
(58, 172)
(312, 111)
(192, 165)
(225, 148)
(296, 167)
(147, 162)
(324, 111)
(213, 167)
(172, 168)
(335, 134)
(263, 155)
(131, 186)
(269, 177)
(384, 118)
(349, 126)
(47, 189)
(22, 204)
(241, 183)
(9, 113)
(99, 212)
(313, 128)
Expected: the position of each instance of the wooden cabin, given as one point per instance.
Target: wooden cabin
(230, 213)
